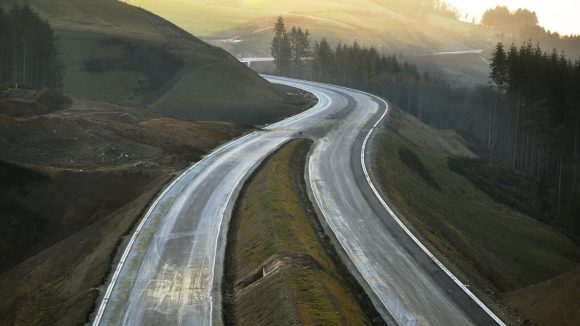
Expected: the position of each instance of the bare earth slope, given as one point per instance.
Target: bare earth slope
(73, 181)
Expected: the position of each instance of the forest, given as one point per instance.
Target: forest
(29, 55)
(528, 120)
(522, 24)
(536, 124)
(430, 99)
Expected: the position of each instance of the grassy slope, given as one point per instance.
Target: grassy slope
(499, 249)
(79, 180)
(553, 302)
(272, 233)
(82, 26)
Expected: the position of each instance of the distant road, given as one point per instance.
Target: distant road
(249, 61)
(451, 52)
(256, 59)
(171, 272)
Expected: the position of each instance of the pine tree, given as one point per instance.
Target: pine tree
(323, 61)
(499, 68)
(281, 49)
(499, 76)
(28, 52)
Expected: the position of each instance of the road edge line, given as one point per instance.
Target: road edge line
(407, 231)
(137, 232)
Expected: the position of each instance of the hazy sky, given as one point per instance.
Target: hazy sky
(562, 16)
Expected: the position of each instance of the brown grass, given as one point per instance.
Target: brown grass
(278, 270)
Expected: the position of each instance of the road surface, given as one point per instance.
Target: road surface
(248, 61)
(171, 270)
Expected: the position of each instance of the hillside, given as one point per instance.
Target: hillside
(122, 54)
(244, 28)
(74, 179)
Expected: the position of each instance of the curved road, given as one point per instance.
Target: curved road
(171, 270)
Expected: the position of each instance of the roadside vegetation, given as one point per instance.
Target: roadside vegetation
(504, 185)
(528, 121)
(280, 267)
(493, 247)
(535, 126)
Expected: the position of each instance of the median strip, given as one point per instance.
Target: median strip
(279, 264)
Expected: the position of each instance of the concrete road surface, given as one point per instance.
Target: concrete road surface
(171, 270)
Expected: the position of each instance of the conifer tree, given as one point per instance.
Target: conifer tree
(28, 52)
(281, 48)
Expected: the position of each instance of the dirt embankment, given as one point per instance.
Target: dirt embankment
(279, 268)
(74, 179)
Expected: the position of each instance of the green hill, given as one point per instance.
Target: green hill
(123, 54)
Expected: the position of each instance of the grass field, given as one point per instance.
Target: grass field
(278, 270)
(493, 247)
(85, 29)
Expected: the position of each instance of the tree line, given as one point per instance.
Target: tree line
(535, 126)
(430, 99)
(502, 19)
(28, 53)
(523, 24)
(528, 121)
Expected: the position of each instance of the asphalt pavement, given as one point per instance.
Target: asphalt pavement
(171, 270)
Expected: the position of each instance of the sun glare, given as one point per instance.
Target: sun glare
(556, 15)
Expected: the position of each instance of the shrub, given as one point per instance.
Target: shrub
(411, 160)
(503, 185)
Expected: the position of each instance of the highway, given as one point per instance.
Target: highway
(171, 270)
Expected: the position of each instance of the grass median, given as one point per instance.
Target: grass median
(278, 267)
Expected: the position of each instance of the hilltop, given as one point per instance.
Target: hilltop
(125, 55)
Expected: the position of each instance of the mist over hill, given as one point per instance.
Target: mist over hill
(416, 29)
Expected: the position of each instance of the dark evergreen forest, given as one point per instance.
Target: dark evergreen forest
(527, 119)
(536, 125)
(29, 56)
